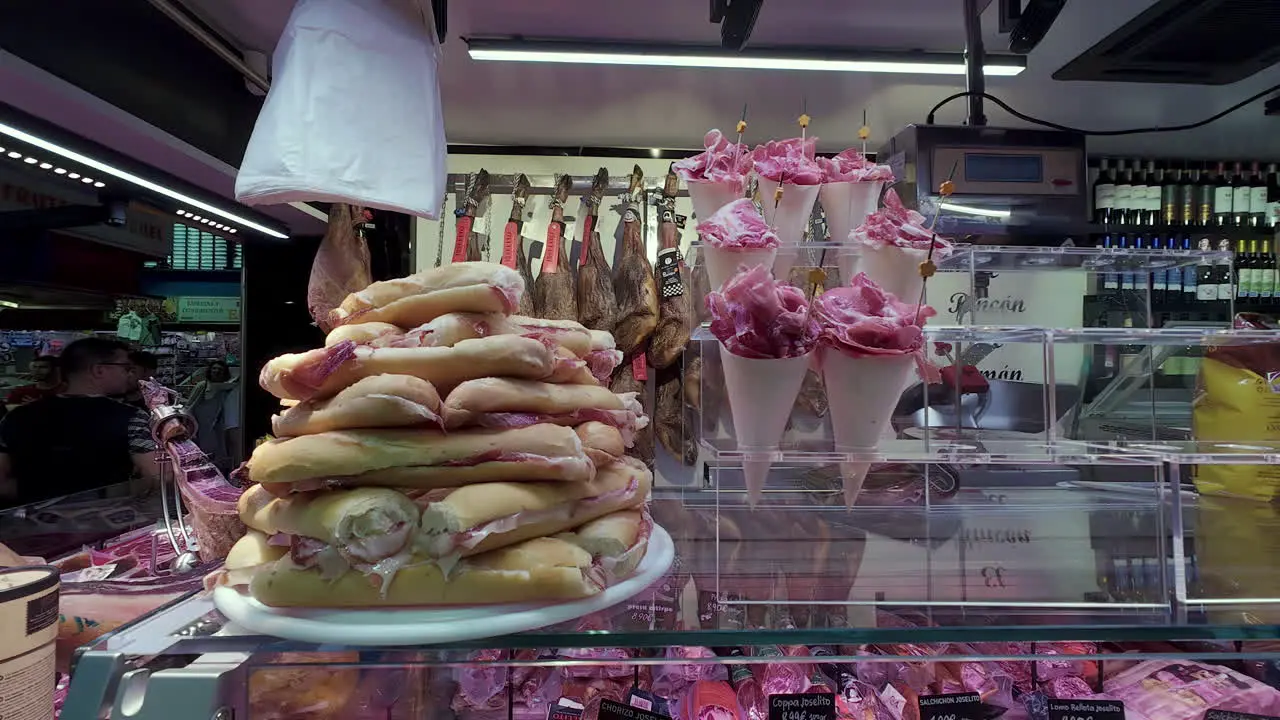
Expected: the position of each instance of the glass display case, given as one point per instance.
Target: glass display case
(1085, 531)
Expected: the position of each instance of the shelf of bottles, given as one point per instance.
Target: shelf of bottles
(1150, 204)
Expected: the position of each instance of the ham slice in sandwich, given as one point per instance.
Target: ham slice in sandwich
(507, 403)
(424, 459)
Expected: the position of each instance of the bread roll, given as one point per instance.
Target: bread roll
(370, 333)
(568, 334)
(617, 541)
(477, 518)
(364, 525)
(250, 553)
(411, 301)
(422, 458)
(373, 402)
(321, 374)
(534, 570)
(469, 401)
(602, 443)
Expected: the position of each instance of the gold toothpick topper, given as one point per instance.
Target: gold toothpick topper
(864, 132)
(742, 126)
(804, 120)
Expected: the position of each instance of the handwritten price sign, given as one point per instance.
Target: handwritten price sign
(802, 706)
(1086, 710)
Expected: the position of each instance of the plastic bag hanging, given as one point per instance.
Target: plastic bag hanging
(353, 114)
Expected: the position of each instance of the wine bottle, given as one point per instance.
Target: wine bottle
(1138, 196)
(1206, 280)
(1243, 272)
(1254, 272)
(1110, 281)
(1187, 197)
(1206, 192)
(1240, 197)
(1159, 277)
(1128, 280)
(1273, 196)
(1151, 208)
(1104, 194)
(1222, 196)
(1124, 194)
(1188, 275)
(1170, 215)
(1257, 197)
(1222, 271)
(1267, 286)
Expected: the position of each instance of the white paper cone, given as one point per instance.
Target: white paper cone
(708, 197)
(862, 394)
(847, 204)
(791, 215)
(847, 260)
(895, 269)
(784, 262)
(761, 395)
(723, 263)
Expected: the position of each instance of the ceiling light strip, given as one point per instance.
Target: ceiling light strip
(513, 52)
(131, 178)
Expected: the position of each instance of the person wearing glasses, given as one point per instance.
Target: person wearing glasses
(80, 439)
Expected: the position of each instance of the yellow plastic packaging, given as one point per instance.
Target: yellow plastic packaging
(1237, 402)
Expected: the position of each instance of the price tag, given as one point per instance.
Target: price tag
(461, 238)
(1086, 710)
(644, 700)
(610, 710)
(954, 706)
(565, 709)
(551, 254)
(668, 274)
(640, 366)
(1233, 715)
(802, 706)
(510, 236)
(89, 574)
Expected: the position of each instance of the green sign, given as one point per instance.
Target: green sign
(209, 310)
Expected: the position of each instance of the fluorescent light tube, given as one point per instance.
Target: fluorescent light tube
(966, 210)
(760, 59)
(129, 177)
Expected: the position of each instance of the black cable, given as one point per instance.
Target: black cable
(1135, 131)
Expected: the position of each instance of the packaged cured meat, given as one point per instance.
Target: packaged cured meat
(789, 181)
(736, 236)
(1184, 690)
(717, 175)
(766, 336)
(869, 343)
(303, 685)
(633, 281)
(341, 265)
(554, 296)
(891, 243)
(597, 304)
(675, 314)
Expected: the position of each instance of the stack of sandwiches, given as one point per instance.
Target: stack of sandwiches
(440, 450)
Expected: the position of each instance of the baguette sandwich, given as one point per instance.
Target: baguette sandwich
(617, 541)
(423, 459)
(323, 373)
(506, 402)
(408, 302)
(477, 518)
(541, 569)
(452, 328)
(377, 401)
(603, 356)
(250, 554)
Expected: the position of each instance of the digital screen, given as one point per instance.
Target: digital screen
(1003, 168)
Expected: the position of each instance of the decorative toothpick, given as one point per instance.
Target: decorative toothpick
(804, 122)
(742, 124)
(864, 132)
(928, 268)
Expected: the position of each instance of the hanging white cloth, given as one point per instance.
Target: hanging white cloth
(353, 114)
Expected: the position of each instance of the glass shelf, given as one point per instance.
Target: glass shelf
(1038, 564)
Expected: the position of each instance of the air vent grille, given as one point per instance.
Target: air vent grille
(1209, 42)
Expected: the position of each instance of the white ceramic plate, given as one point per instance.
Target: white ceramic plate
(426, 626)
